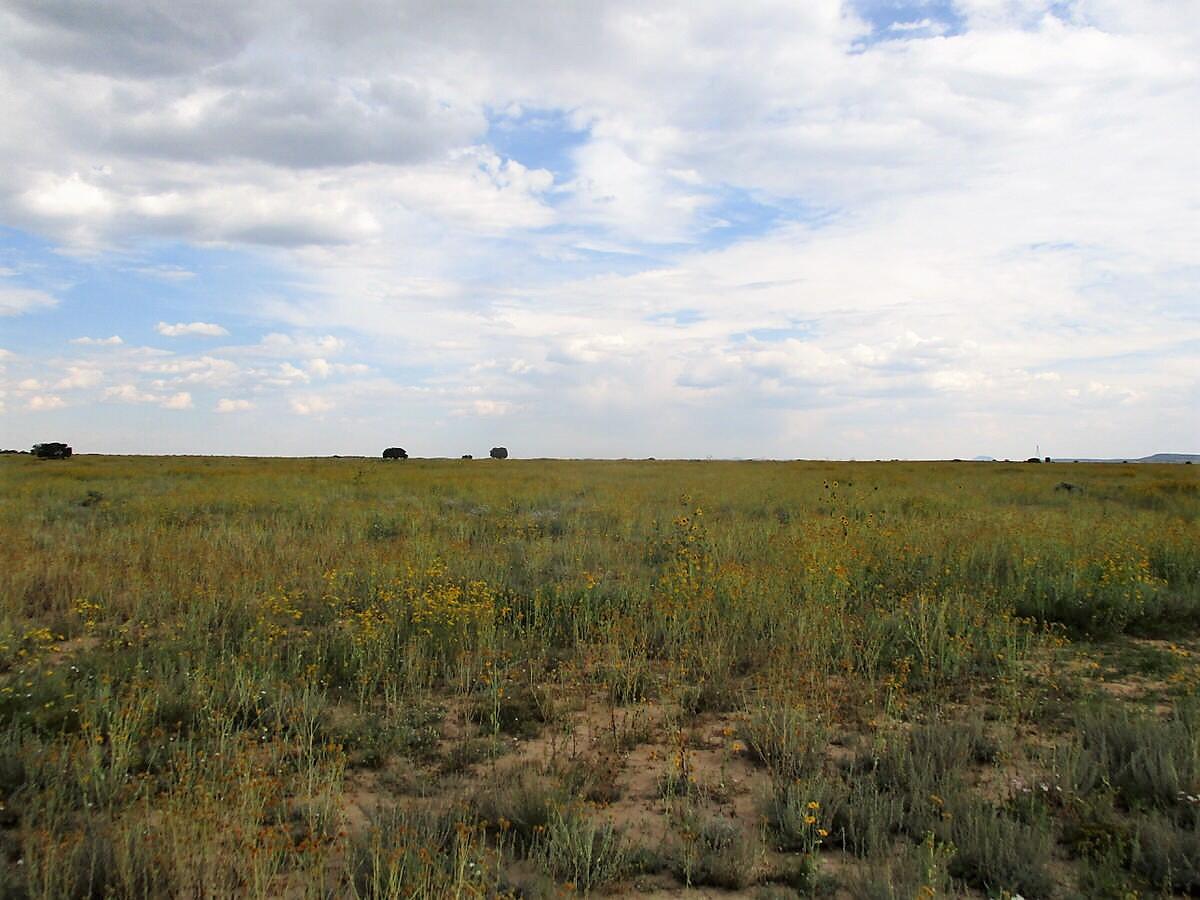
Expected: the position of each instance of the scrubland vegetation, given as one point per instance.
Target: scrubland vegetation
(346, 678)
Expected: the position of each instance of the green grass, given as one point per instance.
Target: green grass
(336, 677)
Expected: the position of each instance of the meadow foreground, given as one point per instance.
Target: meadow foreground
(351, 678)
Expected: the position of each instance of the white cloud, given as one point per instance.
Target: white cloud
(129, 393)
(278, 344)
(16, 301)
(322, 368)
(44, 402)
(310, 405)
(207, 370)
(748, 225)
(165, 272)
(78, 377)
(226, 405)
(113, 341)
(179, 329)
(67, 198)
(289, 373)
(490, 407)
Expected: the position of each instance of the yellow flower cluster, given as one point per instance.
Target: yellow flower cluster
(89, 611)
(428, 603)
(447, 606)
(276, 614)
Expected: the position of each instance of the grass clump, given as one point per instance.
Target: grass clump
(422, 855)
(576, 850)
(524, 804)
(917, 872)
(1152, 763)
(785, 740)
(1166, 852)
(718, 852)
(996, 852)
(802, 814)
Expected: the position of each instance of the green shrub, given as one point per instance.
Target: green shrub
(797, 812)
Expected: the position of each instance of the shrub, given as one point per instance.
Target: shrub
(525, 803)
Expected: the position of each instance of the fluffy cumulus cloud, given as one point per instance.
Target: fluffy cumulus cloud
(841, 227)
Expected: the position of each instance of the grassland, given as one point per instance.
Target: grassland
(328, 678)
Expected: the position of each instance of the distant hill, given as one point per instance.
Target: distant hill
(1155, 458)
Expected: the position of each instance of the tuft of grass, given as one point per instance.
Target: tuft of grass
(523, 805)
(1151, 762)
(803, 814)
(421, 855)
(917, 872)
(718, 852)
(576, 850)
(1166, 852)
(785, 740)
(996, 852)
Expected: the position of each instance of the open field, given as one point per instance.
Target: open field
(311, 678)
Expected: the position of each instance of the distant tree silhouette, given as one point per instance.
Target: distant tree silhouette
(395, 453)
(499, 453)
(52, 450)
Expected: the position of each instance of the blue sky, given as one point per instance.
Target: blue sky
(876, 228)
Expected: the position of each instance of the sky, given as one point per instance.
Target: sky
(849, 229)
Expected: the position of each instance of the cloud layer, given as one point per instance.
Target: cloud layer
(762, 229)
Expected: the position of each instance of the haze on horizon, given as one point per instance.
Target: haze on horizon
(868, 229)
